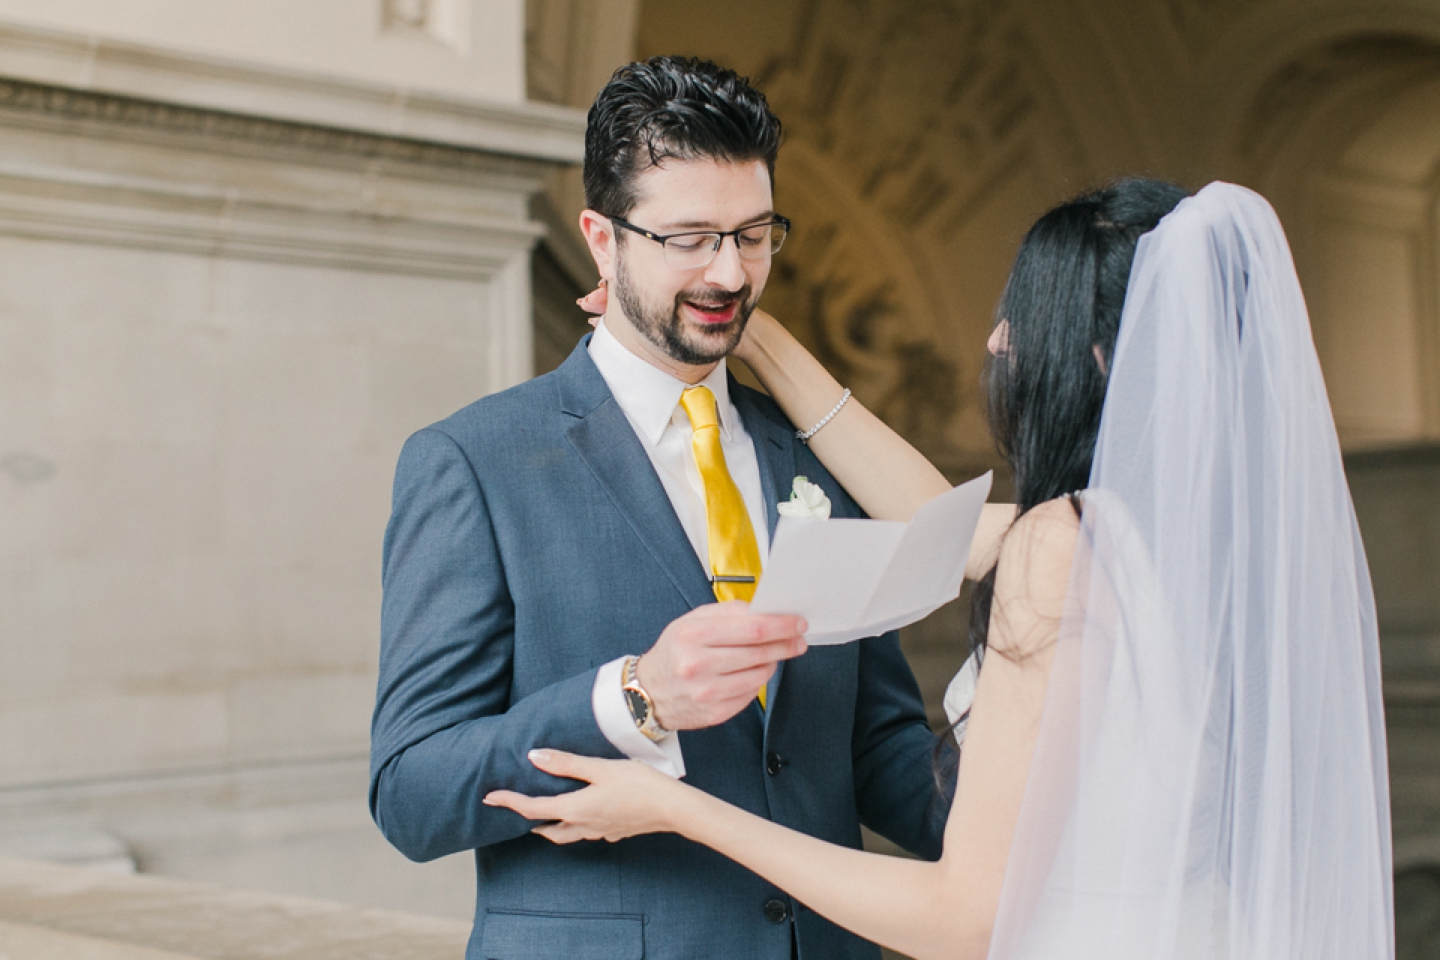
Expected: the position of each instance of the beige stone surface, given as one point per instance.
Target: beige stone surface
(1373, 381)
(108, 916)
(221, 467)
(470, 48)
(296, 827)
(18, 940)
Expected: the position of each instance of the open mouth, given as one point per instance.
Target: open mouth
(713, 313)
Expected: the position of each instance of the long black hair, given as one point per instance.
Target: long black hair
(1062, 304)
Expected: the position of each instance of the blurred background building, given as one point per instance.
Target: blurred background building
(246, 249)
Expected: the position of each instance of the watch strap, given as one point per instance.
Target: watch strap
(630, 683)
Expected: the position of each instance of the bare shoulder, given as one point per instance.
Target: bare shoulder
(1032, 573)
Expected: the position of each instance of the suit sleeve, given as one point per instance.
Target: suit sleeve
(893, 751)
(444, 732)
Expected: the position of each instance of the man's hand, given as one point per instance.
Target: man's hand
(710, 663)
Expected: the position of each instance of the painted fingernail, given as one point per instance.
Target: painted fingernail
(539, 756)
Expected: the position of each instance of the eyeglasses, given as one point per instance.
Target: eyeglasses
(690, 251)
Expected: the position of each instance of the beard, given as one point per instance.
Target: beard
(662, 325)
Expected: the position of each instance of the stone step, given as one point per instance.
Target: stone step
(82, 913)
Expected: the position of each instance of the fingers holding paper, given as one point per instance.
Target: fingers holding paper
(625, 798)
(708, 664)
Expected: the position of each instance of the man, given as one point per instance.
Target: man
(543, 536)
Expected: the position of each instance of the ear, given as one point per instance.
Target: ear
(600, 237)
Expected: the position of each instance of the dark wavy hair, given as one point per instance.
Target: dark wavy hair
(671, 108)
(1063, 302)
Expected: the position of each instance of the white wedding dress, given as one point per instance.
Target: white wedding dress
(1210, 778)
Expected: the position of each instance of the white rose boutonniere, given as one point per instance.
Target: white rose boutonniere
(807, 502)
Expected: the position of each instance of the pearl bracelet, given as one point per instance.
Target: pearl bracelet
(804, 435)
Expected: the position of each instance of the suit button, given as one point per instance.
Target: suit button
(777, 910)
(773, 763)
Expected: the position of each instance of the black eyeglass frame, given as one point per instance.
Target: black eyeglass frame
(719, 235)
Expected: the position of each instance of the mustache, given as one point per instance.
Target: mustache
(714, 298)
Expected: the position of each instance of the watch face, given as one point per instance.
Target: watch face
(639, 709)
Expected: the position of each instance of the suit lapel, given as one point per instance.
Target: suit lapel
(606, 442)
(774, 441)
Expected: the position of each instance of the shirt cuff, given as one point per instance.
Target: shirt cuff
(618, 725)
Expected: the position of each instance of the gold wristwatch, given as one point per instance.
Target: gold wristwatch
(642, 708)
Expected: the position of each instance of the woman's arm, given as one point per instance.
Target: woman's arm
(940, 910)
(887, 476)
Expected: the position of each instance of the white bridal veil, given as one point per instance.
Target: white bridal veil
(1210, 780)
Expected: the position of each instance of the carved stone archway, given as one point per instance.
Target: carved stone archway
(1344, 139)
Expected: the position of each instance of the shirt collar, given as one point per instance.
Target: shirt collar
(648, 395)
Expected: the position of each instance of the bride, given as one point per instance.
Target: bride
(1176, 745)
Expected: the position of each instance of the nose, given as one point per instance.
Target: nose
(999, 342)
(726, 271)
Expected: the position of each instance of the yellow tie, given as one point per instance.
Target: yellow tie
(733, 550)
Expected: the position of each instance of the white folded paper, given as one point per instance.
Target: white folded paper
(857, 578)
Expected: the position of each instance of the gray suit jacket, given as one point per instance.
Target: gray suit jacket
(530, 542)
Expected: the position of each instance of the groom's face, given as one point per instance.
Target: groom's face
(692, 316)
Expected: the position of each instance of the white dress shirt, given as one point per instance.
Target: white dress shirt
(650, 399)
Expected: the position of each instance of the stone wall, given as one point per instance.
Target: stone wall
(227, 295)
(472, 49)
(1395, 495)
(1396, 492)
(571, 48)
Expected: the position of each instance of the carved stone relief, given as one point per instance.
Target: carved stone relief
(1201, 22)
(1367, 65)
(901, 122)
